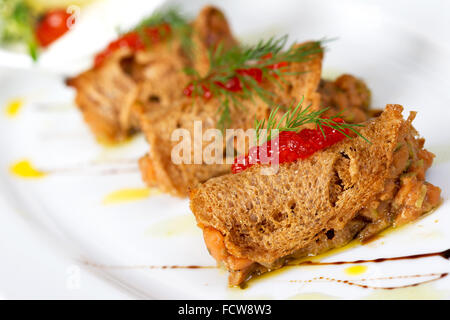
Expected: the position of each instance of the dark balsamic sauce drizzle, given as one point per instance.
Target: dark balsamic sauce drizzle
(436, 276)
(100, 266)
(444, 254)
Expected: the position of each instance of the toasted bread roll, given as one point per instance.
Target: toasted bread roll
(352, 188)
(113, 95)
(157, 166)
(211, 29)
(103, 95)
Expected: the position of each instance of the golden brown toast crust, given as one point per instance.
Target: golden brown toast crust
(158, 128)
(114, 95)
(211, 28)
(266, 217)
(103, 94)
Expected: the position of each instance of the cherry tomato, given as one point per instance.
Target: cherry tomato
(52, 26)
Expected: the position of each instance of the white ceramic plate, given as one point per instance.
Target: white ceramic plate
(123, 240)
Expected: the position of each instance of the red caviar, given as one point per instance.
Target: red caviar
(234, 84)
(206, 93)
(188, 90)
(52, 26)
(255, 73)
(289, 146)
(267, 56)
(134, 41)
(274, 66)
(278, 65)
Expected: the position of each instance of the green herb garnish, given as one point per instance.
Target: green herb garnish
(17, 25)
(224, 65)
(297, 117)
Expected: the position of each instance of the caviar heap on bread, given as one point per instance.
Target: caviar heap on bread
(321, 197)
(159, 27)
(293, 142)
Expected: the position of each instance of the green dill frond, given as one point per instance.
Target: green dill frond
(241, 56)
(297, 117)
(224, 65)
(17, 25)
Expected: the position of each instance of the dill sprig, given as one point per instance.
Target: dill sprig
(177, 21)
(240, 56)
(225, 63)
(297, 117)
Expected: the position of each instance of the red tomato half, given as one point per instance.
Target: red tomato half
(52, 26)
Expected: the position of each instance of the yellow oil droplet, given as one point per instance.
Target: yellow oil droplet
(13, 107)
(25, 169)
(112, 145)
(355, 270)
(129, 195)
(180, 225)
